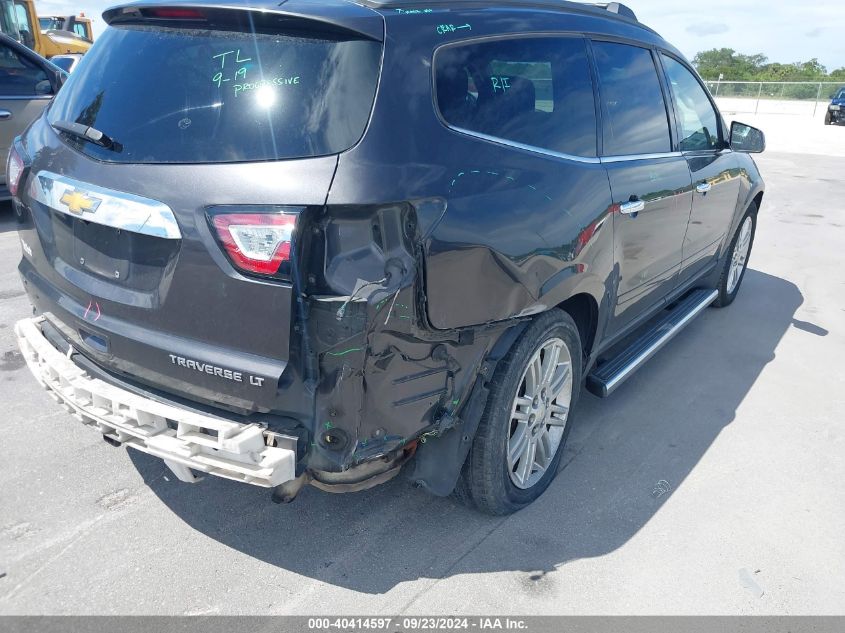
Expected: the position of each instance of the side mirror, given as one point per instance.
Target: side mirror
(747, 139)
(58, 77)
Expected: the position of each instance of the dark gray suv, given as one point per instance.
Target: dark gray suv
(326, 242)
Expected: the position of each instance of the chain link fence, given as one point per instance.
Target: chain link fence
(771, 97)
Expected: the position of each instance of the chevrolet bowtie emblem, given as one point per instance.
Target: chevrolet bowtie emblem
(79, 202)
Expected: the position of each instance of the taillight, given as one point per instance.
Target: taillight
(14, 171)
(258, 243)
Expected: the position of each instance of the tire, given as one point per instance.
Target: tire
(488, 480)
(462, 493)
(827, 119)
(730, 280)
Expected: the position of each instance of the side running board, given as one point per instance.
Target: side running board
(607, 377)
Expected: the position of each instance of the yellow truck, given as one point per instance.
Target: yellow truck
(80, 25)
(19, 21)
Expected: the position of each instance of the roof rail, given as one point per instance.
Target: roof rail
(616, 7)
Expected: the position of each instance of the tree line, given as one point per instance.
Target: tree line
(734, 66)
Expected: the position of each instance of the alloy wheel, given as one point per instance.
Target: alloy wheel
(539, 413)
(739, 257)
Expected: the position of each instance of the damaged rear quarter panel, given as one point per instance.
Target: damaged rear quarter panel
(511, 230)
(500, 234)
(383, 376)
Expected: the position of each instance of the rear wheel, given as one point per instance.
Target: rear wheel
(733, 270)
(521, 436)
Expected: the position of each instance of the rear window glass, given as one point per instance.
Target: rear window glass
(535, 91)
(205, 96)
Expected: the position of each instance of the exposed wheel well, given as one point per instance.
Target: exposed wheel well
(584, 311)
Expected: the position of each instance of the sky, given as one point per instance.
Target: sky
(783, 30)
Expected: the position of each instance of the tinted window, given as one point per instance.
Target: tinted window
(79, 29)
(698, 124)
(535, 91)
(20, 76)
(203, 96)
(635, 113)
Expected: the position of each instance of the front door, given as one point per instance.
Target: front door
(714, 168)
(650, 182)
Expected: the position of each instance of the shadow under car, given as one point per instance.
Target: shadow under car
(626, 456)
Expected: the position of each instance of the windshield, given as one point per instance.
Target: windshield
(204, 96)
(840, 94)
(13, 20)
(50, 23)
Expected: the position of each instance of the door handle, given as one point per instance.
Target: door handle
(703, 187)
(5, 114)
(633, 207)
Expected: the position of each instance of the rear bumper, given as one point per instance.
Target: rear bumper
(185, 440)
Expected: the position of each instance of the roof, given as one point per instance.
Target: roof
(606, 9)
(353, 14)
(337, 14)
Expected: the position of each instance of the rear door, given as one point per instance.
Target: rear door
(25, 90)
(714, 168)
(650, 182)
(531, 93)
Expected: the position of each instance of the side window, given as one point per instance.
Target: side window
(697, 120)
(535, 91)
(19, 76)
(8, 21)
(79, 29)
(635, 113)
(21, 17)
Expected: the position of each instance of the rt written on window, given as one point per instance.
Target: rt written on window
(536, 91)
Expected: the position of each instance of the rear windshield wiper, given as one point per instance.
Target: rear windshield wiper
(87, 133)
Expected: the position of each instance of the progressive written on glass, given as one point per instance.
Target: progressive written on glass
(237, 69)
